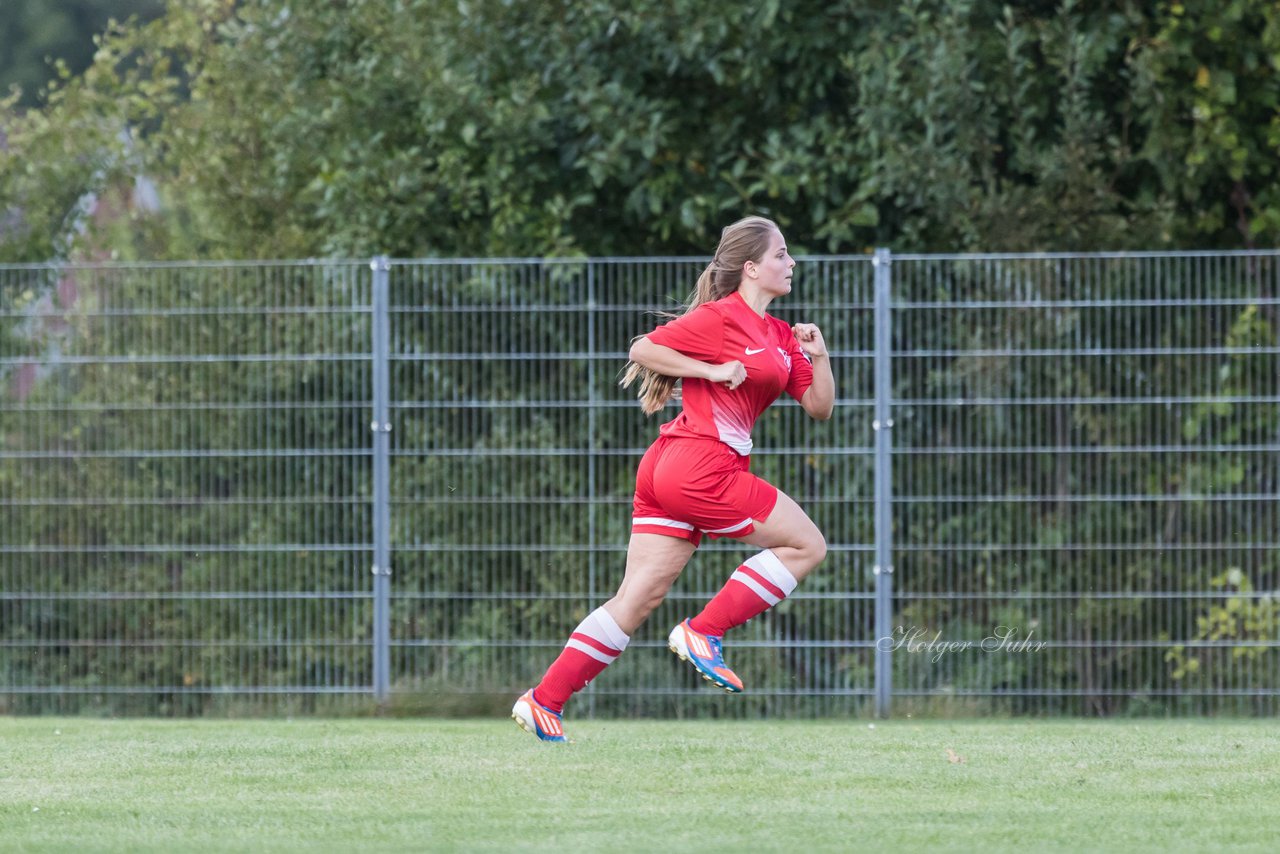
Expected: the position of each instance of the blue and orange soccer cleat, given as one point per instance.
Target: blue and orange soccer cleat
(536, 719)
(705, 654)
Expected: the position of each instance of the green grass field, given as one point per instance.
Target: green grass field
(372, 784)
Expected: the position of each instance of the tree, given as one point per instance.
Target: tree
(34, 34)
(1209, 95)
(513, 127)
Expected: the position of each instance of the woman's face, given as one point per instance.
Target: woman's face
(773, 271)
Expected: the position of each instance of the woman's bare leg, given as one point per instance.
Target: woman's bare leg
(654, 562)
(792, 536)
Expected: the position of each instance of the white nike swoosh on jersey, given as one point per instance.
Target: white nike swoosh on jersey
(751, 352)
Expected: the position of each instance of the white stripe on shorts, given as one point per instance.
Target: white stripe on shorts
(729, 530)
(659, 521)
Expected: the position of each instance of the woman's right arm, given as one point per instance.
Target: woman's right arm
(673, 363)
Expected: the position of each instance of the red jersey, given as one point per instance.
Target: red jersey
(723, 331)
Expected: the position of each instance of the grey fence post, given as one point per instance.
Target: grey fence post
(882, 424)
(381, 428)
(593, 450)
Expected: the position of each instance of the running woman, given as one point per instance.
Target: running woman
(733, 360)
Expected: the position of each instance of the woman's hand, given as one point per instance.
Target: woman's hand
(810, 338)
(730, 374)
(820, 398)
(671, 363)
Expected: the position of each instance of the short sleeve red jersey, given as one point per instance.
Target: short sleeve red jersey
(723, 331)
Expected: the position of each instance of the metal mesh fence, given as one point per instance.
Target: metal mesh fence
(1087, 454)
(1049, 486)
(183, 485)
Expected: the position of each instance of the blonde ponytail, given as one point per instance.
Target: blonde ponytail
(743, 241)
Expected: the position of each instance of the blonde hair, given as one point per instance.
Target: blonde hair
(743, 241)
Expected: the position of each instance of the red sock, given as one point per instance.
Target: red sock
(592, 647)
(754, 588)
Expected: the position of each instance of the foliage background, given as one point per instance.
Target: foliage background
(543, 127)
(35, 35)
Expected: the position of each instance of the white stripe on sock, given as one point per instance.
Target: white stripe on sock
(589, 650)
(767, 564)
(600, 625)
(756, 588)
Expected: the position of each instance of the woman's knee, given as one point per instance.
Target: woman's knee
(642, 592)
(646, 597)
(812, 549)
(818, 548)
(630, 608)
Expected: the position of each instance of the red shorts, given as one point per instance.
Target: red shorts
(688, 487)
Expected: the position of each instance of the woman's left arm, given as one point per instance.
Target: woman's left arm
(820, 398)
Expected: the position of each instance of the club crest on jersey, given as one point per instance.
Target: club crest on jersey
(786, 358)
